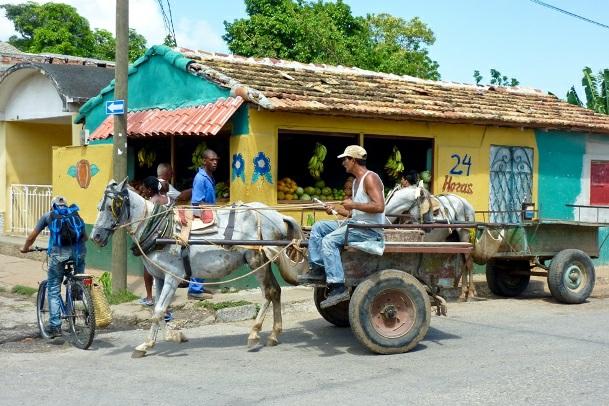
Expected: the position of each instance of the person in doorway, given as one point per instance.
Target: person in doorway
(66, 242)
(409, 178)
(366, 206)
(203, 193)
(164, 173)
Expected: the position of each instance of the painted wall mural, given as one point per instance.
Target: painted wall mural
(262, 168)
(83, 171)
(238, 167)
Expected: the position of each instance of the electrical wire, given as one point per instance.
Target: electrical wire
(560, 10)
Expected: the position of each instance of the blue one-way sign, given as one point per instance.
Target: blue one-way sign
(115, 107)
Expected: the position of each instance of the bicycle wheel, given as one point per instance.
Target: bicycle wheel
(80, 314)
(42, 309)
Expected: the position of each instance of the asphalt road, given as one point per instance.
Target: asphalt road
(530, 351)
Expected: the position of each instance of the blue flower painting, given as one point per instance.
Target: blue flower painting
(238, 166)
(262, 168)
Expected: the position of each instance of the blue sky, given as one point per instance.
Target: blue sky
(542, 48)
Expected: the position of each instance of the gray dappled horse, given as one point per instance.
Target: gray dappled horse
(120, 205)
(423, 207)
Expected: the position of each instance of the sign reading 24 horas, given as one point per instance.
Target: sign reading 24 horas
(457, 178)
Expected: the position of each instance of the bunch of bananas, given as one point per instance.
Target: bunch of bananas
(394, 165)
(197, 156)
(146, 157)
(316, 163)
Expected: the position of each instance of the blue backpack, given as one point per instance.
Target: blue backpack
(67, 227)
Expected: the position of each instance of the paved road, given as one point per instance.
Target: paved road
(495, 352)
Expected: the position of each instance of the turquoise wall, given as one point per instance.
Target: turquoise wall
(560, 171)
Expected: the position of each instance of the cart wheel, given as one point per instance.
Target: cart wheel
(390, 312)
(571, 276)
(507, 278)
(337, 315)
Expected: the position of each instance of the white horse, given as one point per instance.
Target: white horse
(423, 207)
(122, 206)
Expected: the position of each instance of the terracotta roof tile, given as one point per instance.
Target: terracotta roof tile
(297, 87)
(199, 120)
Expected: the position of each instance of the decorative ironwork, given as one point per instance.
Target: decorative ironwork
(27, 204)
(511, 173)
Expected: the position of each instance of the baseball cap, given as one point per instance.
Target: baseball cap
(59, 201)
(354, 151)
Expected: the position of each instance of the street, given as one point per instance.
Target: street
(489, 352)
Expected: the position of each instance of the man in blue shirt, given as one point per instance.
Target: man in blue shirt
(203, 193)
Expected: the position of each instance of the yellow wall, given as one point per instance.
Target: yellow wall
(469, 143)
(3, 190)
(65, 184)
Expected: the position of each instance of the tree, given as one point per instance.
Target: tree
(497, 79)
(596, 89)
(327, 32)
(58, 28)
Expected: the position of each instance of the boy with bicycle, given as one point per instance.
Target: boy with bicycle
(66, 242)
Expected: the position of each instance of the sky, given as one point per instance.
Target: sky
(540, 47)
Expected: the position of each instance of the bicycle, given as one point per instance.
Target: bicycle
(77, 307)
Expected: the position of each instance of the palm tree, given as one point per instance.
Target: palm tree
(597, 91)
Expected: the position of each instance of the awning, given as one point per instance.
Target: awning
(198, 120)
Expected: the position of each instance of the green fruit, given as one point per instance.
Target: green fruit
(309, 190)
(305, 197)
(326, 191)
(315, 197)
(320, 184)
(317, 191)
(299, 191)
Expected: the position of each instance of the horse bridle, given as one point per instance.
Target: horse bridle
(120, 207)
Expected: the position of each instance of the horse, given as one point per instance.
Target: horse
(121, 206)
(423, 207)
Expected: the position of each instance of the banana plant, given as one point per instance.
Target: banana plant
(596, 88)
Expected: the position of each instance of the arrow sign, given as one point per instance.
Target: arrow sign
(114, 107)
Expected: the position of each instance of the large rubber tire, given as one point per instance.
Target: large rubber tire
(82, 317)
(571, 277)
(337, 315)
(390, 312)
(502, 279)
(42, 309)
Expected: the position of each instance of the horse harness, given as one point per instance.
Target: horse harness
(120, 207)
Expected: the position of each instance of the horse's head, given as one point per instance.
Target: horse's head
(113, 210)
(410, 200)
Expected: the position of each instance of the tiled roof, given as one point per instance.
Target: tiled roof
(200, 120)
(296, 87)
(5, 47)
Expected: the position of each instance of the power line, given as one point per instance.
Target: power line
(560, 10)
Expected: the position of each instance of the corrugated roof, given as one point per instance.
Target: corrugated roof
(199, 120)
(322, 89)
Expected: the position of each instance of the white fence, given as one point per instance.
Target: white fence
(27, 204)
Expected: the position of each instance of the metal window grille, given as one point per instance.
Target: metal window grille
(27, 204)
(511, 182)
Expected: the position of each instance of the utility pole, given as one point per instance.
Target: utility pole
(119, 156)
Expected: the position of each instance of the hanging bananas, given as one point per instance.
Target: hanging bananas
(316, 163)
(146, 157)
(394, 166)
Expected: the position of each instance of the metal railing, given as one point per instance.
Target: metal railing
(27, 204)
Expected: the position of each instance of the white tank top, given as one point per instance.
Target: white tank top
(362, 197)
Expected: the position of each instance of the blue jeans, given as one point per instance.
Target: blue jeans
(197, 287)
(326, 240)
(57, 260)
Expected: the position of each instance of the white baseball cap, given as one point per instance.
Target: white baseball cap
(354, 151)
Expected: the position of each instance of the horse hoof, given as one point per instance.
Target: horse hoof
(252, 342)
(271, 342)
(138, 354)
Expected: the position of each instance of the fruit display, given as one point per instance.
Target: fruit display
(146, 157)
(425, 176)
(316, 163)
(394, 166)
(197, 156)
(222, 190)
(287, 189)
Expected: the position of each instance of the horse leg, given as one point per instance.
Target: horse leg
(254, 337)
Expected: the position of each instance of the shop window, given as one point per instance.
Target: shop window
(416, 155)
(599, 183)
(295, 149)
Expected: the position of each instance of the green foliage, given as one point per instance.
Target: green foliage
(106, 281)
(58, 28)
(497, 79)
(122, 297)
(24, 290)
(327, 32)
(222, 305)
(596, 88)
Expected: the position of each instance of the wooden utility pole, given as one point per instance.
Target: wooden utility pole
(119, 157)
